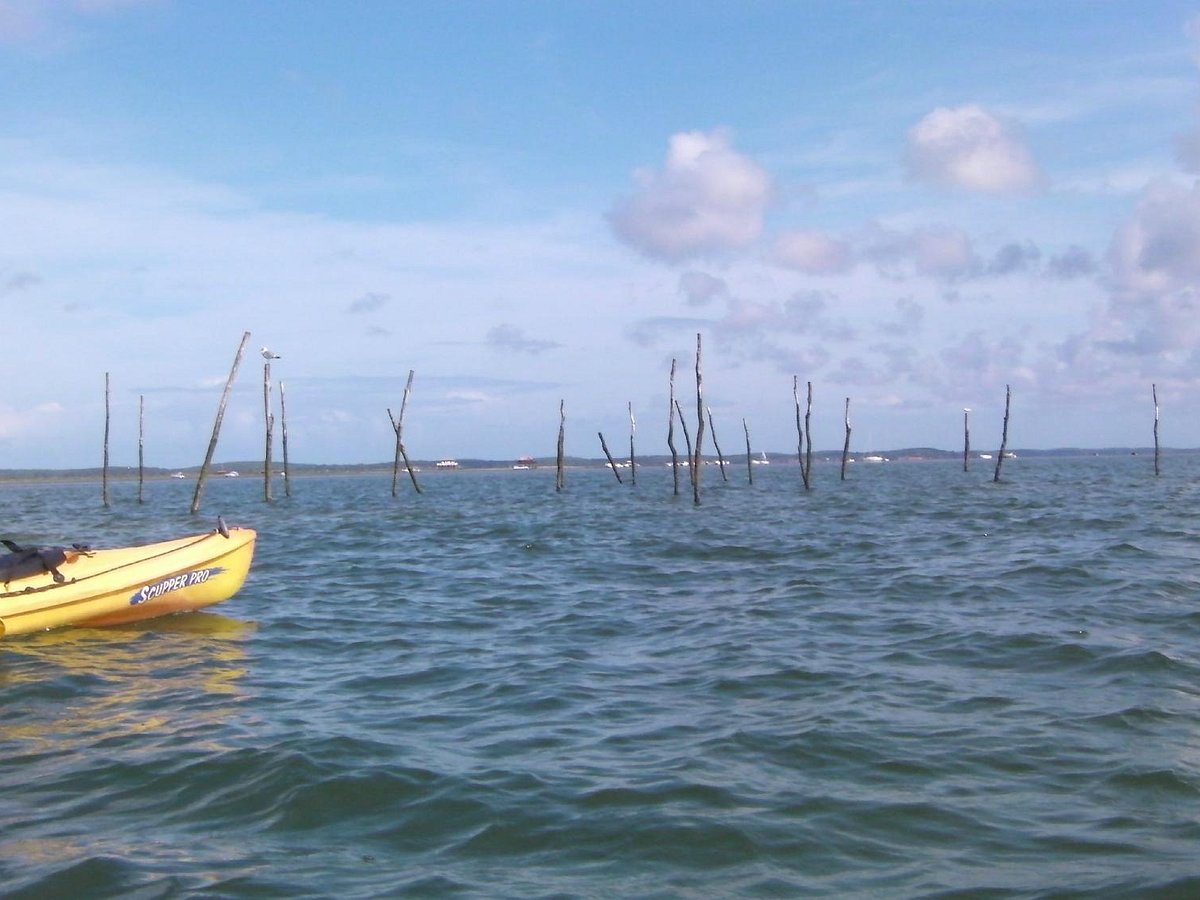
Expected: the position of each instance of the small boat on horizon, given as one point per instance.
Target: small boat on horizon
(52, 587)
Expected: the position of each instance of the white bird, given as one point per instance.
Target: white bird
(267, 354)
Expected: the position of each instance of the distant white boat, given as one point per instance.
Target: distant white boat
(447, 464)
(762, 460)
(875, 459)
(178, 475)
(231, 474)
(985, 456)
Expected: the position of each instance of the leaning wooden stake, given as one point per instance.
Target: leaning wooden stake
(104, 471)
(141, 446)
(687, 438)
(269, 427)
(712, 429)
(808, 441)
(749, 461)
(401, 451)
(1154, 394)
(560, 480)
(671, 433)
(212, 443)
(696, 458)
(966, 437)
(612, 465)
(287, 474)
(846, 445)
(632, 456)
(1003, 434)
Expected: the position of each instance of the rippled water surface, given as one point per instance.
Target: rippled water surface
(914, 683)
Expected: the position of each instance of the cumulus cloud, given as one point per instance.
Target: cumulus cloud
(813, 252)
(1155, 263)
(1074, 262)
(943, 253)
(967, 147)
(700, 288)
(513, 339)
(707, 198)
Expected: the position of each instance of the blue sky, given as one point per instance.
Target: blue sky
(908, 204)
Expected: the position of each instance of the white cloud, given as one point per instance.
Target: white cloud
(708, 198)
(813, 253)
(967, 147)
(699, 287)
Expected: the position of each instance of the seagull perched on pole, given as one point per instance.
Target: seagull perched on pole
(268, 355)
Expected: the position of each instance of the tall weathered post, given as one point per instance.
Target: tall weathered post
(401, 451)
(212, 443)
(632, 455)
(749, 461)
(808, 441)
(966, 437)
(1154, 394)
(287, 474)
(268, 425)
(107, 418)
(141, 446)
(846, 445)
(1003, 434)
(799, 427)
(612, 465)
(712, 429)
(560, 480)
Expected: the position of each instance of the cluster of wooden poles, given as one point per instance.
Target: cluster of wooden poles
(694, 456)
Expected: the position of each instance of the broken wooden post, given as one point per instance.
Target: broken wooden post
(560, 480)
(269, 426)
(212, 443)
(966, 437)
(749, 461)
(671, 433)
(712, 429)
(612, 465)
(401, 451)
(699, 430)
(1154, 394)
(687, 438)
(632, 457)
(287, 475)
(141, 446)
(107, 417)
(1003, 434)
(846, 445)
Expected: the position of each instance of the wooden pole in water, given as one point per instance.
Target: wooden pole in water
(269, 426)
(966, 437)
(846, 445)
(107, 417)
(687, 438)
(1003, 434)
(141, 446)
(632, 456)
(287, 475)
(612, 465)
(401, 451)
(1154, 394)
(671, 433)
(712, 429)
(212, 443)
(808, 440)
(749, 462)
(699, 429)
(560, 481)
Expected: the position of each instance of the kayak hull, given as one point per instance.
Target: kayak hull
(129, 584)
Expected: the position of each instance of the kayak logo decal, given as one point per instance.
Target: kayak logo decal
(174, 583)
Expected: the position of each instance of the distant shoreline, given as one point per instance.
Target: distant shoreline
(253, 470)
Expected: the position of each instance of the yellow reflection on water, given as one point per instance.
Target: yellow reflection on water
(83, 685)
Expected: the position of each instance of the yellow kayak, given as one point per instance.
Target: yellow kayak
(57, 586)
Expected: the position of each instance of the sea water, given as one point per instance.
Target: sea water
(915, 682)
